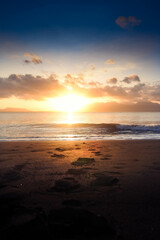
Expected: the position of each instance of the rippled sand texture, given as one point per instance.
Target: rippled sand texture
(80, 190)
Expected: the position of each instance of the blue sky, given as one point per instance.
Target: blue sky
(22, 17)
(78, 38)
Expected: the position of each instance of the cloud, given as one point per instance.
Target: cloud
(78, 80)
(128, 22)
(27, 61)
(74, 79)
(112, 80)
(136, 92)
(32, 58)
(30, 87)
(116, 91)
(126, 93)
(110, 61)
(152, 93)
(131, 79)
(92, 67)
(93, 83)
(39, 88)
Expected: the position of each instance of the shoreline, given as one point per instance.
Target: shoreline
(84, 140)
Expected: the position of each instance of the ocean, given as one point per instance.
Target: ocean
(79, 126)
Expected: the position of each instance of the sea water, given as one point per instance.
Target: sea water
(79, 126)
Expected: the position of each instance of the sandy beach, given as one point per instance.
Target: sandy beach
(80, 189)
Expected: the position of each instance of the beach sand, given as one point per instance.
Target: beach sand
(80, 190)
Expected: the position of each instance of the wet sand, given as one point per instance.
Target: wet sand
(80, 190)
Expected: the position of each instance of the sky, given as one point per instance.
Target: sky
(56, 52)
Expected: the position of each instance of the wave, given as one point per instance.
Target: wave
(78, 131)
(102, 127)
(138, 128)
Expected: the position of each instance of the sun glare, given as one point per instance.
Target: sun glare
(69, 103)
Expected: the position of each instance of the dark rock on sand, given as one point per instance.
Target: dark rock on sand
(65, 185)
(58, 155)
(91, 149)
(104, 180)
(34, 150)
(70, 223)
(83, 161)
(60, 149)
(107, 157)
(72, 203)
(98, 153)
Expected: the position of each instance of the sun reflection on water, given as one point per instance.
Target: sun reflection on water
(70, 118)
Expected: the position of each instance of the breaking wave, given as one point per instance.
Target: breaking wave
(78, 131)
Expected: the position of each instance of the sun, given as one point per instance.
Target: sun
(69, 103)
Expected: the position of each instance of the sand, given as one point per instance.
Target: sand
(80, 190)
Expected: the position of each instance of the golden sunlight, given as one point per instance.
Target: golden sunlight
(70, 118)
(69, 103)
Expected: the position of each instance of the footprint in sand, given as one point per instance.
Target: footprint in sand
(65, 185)
(83, 161)
(98, 153)
(104, 180)
(60, 149)
(107, 157)
(13, 150)
(35, 150)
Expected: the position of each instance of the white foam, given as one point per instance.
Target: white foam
(139, 128)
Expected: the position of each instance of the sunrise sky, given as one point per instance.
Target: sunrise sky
(81, 51)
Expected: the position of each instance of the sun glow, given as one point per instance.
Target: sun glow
(69, 103)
